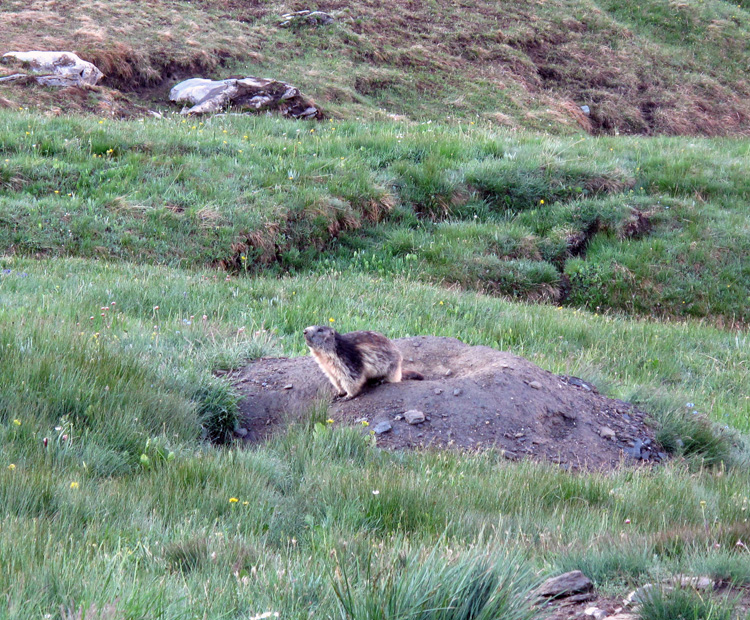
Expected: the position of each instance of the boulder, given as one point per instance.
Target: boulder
(259, 94)
(564, 585)
(58, 68)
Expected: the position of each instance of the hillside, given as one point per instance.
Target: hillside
(168, 448)
(661, 67)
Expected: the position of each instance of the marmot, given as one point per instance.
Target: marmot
(350, 360)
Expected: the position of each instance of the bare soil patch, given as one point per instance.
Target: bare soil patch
(472, 397)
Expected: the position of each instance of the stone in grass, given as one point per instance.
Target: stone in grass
(251, 93)
(414, 416)
(60, 68)
(641, 595)
(699, 583)
(565, 585)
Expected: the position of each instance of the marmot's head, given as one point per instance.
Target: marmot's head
(320, 337)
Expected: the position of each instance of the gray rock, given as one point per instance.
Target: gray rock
(624, 616)
(579, 383)
(566, 584)
(457, 392)
(536, 385)
(414, 416)
(382, 427)
(210, 96)
(586, 110)
(635, 451)
(607, 433)
(305, 18)
(59, 68)
(241, 432)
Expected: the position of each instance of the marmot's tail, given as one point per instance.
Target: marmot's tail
(411, 375)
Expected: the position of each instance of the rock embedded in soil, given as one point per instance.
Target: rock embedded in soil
(595, 613)
(414, 416)
(567, 584)
(257, 94)
(382, 427)
(55, 68)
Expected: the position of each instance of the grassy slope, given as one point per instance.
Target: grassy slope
(116, 393)
(657, 67)
(125, 494)
(527, 217)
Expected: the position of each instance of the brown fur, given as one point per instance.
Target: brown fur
(350, 360)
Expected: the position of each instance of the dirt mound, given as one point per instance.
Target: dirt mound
(472, 398)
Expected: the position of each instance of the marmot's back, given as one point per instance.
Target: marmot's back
(371, 353)
(350, 360)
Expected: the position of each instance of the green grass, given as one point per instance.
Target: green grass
(685, 603)
(325, 524)
(115, 499)
(629, 225)
(126, 494)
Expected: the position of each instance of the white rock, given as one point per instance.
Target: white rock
(595, 612)
(699, 583)
(414, 416)
(64, 68)
(639, 595)
(209, 96)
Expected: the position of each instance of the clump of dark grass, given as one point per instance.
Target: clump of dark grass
(473, 585)
(683, 604)
(692, 435)
(218, 410)
(616, 565)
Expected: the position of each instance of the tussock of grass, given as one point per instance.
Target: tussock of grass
(684, 603)
(473, 585)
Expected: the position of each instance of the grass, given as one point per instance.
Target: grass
(139, 257)
(630, 225)
(307, 524)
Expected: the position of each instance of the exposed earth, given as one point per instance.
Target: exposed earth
(472, 398)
